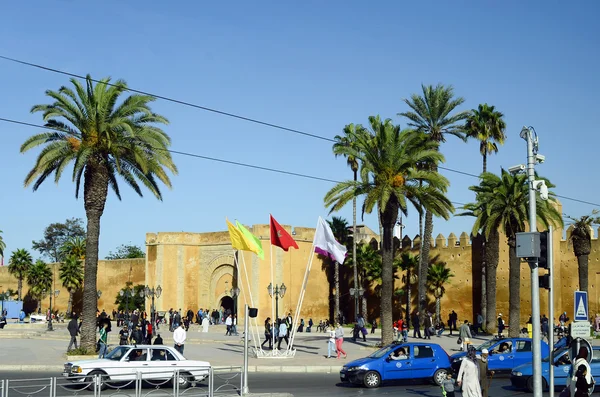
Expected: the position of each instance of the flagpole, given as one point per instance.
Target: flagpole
(251, 302)
(302, 291)
(272, 299)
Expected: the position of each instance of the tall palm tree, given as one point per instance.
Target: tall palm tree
(367, 258)
(2, 245)
(390, 180)
(431, 114)
(486, 125)
(70, 274)
(437, 277)
(340, 142)
(18, 265)
(105, 134)
(74, 247)
(582, 245)
(39, 278)
(408, 263)
(507, 208)
(339, 227)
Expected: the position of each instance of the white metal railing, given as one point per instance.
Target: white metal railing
(188, 382)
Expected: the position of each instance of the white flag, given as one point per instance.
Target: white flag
(326, 244)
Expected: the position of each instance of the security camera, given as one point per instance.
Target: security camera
(540, 158)
(542, 188)
(515, 169)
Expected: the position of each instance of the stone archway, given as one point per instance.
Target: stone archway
(227, 303)
(218, 267)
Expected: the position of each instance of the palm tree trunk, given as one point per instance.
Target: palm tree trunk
(514, 285)
(438, 308)
(336, 282)
(484, 262)
(70, 304)
(424, 261)
(20, 288)
(95, 191)
(408, 296)
(356, 309)
(388, 219)
(582, 263)
(484, 155)
(492, 259)
(364, 298)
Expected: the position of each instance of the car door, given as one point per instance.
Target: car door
(136, 361)
(523, 352)
(398, 369)
(162, 363)
(501, 360)
(562, 366)
(423, 363)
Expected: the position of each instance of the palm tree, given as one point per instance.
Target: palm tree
(408, 263)
(437, 277)
(486, 125)
(18, 265)
(74, 247)
(582, 245)
(70, 274)
(39, 278)
(2, 245)
(339, 227)
(431, 114)
(104, 137)
(507, 208)
(367, 257)
(390, 180)
(340, 143)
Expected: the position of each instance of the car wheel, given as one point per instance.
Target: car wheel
(372, 379)
(529, 385)
(90, 380)
(184, 379)
(439, 376)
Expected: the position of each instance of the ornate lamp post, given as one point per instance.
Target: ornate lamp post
(126, 292)
(234, 292)
(153, 292)
(55, 294)
(278, 291)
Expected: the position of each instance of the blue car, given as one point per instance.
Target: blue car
(396, 362)
(504, 353)
(521, 377)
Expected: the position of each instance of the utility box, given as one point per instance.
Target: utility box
(528, 245)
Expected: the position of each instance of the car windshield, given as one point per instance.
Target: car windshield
(557, 355)
(382, 352)
(117, 354)
(486, 345)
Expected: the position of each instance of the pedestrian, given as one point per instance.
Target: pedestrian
(573, 382)
(479, 324)
(283, 334)
(205, 323)
(583, 387)
(361, 324)
(124, 335)
(484, 381)
(339, 340)
(229, 324)
(73, 328)
(373, 326)
(464, 335)
(416, 326)
(268, 334)
(500, 325)
(448, 386)
(468, 375)
(427, 324)
(103, 341)
(158, 340)
(179, 338)
(330, 342)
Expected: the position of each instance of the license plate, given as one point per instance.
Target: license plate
(342, 376)
(65, 374)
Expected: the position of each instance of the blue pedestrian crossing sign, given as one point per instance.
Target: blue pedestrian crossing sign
(581, 306)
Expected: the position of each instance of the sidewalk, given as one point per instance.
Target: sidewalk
(33, 348)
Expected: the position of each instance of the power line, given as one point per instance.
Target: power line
(180, 102)
(252, 166)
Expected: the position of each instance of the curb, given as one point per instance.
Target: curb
(324, 369)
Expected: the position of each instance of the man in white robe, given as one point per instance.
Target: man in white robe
(468, 375)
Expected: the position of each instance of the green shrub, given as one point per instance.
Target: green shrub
(80, 351)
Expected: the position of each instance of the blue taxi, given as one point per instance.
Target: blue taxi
(399, 361)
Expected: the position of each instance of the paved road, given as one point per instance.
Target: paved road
(310, 385)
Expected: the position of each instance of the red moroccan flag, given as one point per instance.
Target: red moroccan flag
(280, 237)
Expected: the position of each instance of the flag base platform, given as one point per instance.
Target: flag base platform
(275, 353)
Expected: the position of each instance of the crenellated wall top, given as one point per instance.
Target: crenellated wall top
(439, 242)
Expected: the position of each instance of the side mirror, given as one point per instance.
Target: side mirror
(388, 359)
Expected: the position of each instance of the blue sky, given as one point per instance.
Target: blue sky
(313, 66)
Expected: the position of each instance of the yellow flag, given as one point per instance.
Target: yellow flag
(238, 241)
(251, 240)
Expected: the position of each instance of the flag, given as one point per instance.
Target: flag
(326, 244)
(238, 241)
(280, 237)
(251, 240)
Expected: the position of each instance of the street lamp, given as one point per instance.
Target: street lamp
(127, 294)
(278, 291)
(153, 292)
(55, 294)
(234, 292)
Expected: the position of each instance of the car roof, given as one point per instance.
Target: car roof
(415, 344)
(146, 346)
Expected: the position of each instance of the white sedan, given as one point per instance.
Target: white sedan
(153, 362)
(37, 318)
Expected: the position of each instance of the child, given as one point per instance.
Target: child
(448, 386)
(582, 386)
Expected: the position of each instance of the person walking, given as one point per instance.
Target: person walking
(448, 386)
(103, 341)
(416, 326)
(577, 372)
(468, 375)
(268, 334)
(330, 342)
(500, 325)
(124, 335)
(484, 380)
(73, 328)
(179, 338)
(464, 334)
(339, 340)
(228, 324)
(283, 334)
(427, 324)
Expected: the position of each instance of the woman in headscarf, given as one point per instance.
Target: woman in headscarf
(468, 375)
(580, 360)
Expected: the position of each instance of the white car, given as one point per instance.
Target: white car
(153, 362)
(37, 318)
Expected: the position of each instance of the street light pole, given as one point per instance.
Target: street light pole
(527, 134)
